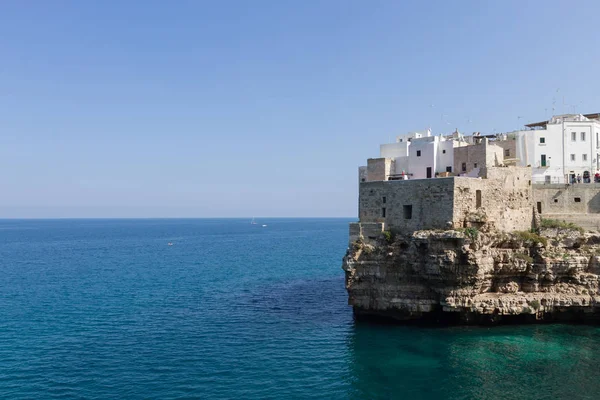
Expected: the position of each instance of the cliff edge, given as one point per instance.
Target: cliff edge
(471, 276)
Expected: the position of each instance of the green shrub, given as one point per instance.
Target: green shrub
(535, 304)
(388, 236)
(470, 232)
(526, 310)
(533, 238)
(554, 223)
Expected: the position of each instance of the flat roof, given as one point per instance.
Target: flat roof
(544, 123)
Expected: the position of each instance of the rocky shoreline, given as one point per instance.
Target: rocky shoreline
(468, 276)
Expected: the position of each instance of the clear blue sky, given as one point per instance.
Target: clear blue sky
(264, 108)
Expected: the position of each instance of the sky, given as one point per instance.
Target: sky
(262, 108)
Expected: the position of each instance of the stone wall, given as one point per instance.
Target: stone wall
(567, 199)
(379, 169)
(476, 156)
(505, 198)
(362, 174)
(409, 204)
(510, 145)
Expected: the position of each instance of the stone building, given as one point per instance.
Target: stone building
(446, 203)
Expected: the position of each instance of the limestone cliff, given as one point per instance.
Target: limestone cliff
(471, 276)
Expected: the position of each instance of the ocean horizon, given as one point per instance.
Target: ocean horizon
(220, 308)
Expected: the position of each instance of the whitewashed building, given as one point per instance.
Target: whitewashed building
(560, 149)
(419, 155)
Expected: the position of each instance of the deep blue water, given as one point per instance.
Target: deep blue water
(105, 309)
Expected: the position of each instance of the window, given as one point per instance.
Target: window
(407, 211)
(448, 169)
(542, 140)
(573, 136)
(577, 199)
(507, 153)
(474, 165)
(383, 200)
(418, 153)
(572, 157)
(443, 151)
(584, 157)
(539, 207)
(478, 198)
(383, 212)
(464, 167)
(556, 200)
(583, 136)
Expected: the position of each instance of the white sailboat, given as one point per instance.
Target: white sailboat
(253, 222)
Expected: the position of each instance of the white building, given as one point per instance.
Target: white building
(561, 148)
(421, 155)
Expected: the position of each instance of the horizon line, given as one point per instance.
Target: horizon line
(250, 218)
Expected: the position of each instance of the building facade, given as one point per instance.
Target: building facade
(560, 149)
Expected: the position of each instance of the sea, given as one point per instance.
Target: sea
(105, 309)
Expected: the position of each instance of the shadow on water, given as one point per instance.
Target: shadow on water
(321, 301)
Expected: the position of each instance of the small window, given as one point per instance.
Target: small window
(584, 157)
(539, 207)
(478, 198)
(383, 212)
(407, 211)
(443, 151)
(542, 140)
(572, 157)
(583, 136)
(362, 179)
(573, 136)
(474, 165)
(464, 167)
(556, 200)
(418, 153)
(577, 199)
(384, 199)
(448, 169)
(507, 153)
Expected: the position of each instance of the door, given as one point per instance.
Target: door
(429, 172)
(543, 160)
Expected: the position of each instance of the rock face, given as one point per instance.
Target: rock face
(467, 276)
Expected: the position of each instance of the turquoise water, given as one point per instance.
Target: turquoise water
(105, 309)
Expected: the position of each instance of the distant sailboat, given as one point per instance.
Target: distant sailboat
(264, 226)
(253, 222)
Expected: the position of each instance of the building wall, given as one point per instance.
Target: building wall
(445, 203)
(379, 169)
(476, 157)
(558, 147)
(362, 174)
(445, 156)
(506, 199)
(418, 164)
(562, 199)
(431, 202)
(393, 150)
(509, 147)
